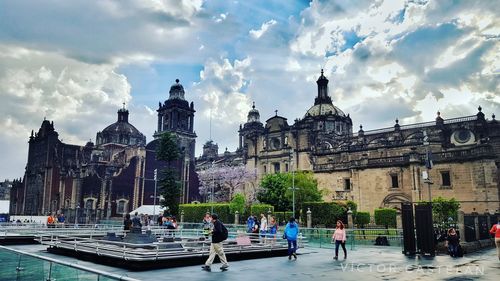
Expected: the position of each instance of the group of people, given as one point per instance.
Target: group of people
(264, 228)
(53, 220)
(163, 220)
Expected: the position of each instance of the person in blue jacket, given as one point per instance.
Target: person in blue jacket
(250, 224)
(291, 233)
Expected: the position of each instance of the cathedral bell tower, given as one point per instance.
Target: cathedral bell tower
(176, 116)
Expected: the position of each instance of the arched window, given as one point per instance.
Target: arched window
(121, 206)
(89, 204)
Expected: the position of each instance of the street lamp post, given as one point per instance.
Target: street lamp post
(154, 199)
(293, 193)
(293, 184)
(428, 164)
(213, 187)
(76, 214)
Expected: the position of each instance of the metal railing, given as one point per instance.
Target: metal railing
(322, 237)
(34, 230)
(19, 265)
(183, 243)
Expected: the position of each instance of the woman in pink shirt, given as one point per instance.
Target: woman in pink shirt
(496, 230)
(339, 236)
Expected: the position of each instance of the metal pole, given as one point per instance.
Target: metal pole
(428, 163)
(293, 193)
(429, 187)
(76, 214)
(154, 198)
(213, 187)
(293, 184)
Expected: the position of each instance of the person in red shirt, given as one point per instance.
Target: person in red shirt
(496, 230)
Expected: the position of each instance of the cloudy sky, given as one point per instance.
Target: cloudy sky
(76, 62)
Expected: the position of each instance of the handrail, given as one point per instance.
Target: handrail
(73, 265)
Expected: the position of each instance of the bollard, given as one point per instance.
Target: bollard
(182, 216)
(309, 218)
(350, 222)
(236, 217)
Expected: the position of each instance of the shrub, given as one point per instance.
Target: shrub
(257, 209)
(362, 219)
(385, 217)
(195, 212)
(325, 213)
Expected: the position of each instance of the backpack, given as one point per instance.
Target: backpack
(224, 232)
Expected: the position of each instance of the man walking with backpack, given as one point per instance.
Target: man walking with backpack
(219, 234)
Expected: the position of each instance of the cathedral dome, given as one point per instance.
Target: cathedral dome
(176, 91)
(253, 115)
(121, 132)
(325, 109)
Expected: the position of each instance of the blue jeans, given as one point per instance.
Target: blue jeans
(290, 244)
(337, 243)
(453, 250)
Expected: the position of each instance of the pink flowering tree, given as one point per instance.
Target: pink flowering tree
(226, 182)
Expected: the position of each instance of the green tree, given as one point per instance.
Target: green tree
(237, 204)
(169, 184)
(306, 189)
(444, 211)
(276, 190)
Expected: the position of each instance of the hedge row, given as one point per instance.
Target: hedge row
(196, 212)
(258, 209)
(325, 213)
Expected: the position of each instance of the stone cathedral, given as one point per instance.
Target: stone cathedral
(111, 177)
(375, 168)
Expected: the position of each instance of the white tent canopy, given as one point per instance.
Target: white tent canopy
(148, 209)
(4, 206)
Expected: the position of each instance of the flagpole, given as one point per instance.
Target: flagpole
(428, 164)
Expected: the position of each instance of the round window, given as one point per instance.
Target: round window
(462, 136)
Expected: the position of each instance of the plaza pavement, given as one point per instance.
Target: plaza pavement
(363, 263)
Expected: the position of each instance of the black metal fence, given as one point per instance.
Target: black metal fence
(481, 228)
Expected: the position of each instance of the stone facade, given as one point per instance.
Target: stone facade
(383, 167)
(107, 179)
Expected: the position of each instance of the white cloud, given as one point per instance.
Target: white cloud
(220, 96)
(403, 51)
(256, 34)
(80, 98)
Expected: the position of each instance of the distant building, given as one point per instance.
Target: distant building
(109, 178)
(5, 187)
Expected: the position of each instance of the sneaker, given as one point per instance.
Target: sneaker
(224, 267)
(335, 258)
(294, 255)
(206, 268)
(290, 257)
